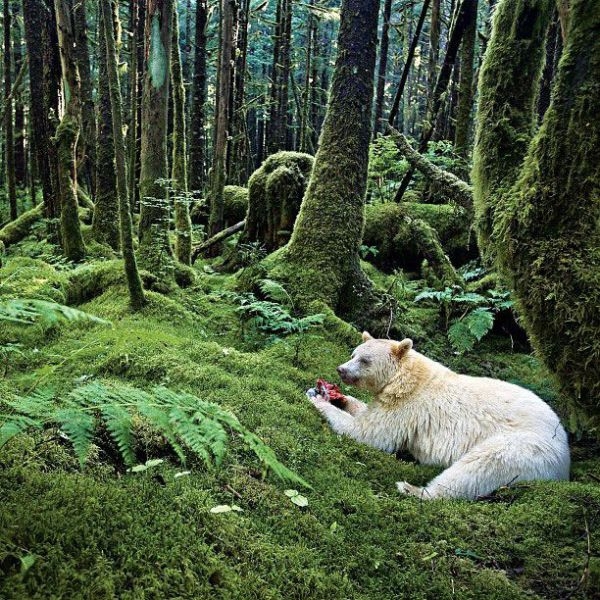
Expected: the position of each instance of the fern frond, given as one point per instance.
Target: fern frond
(118, 422)
(158, 417)
(15, 425)
(79, 426)
(21, 310)
(275, 291)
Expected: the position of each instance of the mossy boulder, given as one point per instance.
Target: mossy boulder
(407, 234)
(275, 194)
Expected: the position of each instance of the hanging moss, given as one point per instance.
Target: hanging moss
(275, 193)
(546, 233)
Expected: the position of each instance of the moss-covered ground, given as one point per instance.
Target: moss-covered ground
(104, 533)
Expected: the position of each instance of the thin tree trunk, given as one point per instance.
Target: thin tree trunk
(67, 136)
(441, 86)
(20, 154)
(9, 144)
(105, 225)
(197, 169)
(408, 64)
(136, 292)
(383, 59)
(465, 91)
(222, 121)
(183, 223)
(434, 47)
(134, 87)
(155, 250)
(305, 138)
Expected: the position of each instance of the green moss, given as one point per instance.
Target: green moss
(235, 204)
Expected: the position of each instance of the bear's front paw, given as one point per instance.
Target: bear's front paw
(410, 490)
(317, 400)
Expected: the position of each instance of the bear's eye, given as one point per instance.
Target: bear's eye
(365, 361)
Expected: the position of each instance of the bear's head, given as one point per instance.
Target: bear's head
(374, 363)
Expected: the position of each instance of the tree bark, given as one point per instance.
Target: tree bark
(383, 59)
(183, 223)
(67, 136)
(197, 169)
(20, 155)
(155, 250)
(221, 121)
(136, 292)
(217, 239)
(105, 225)
(9, 144)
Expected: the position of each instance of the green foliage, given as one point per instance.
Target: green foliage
(467, 316)
(183, 419)
(27, 311)
(386, 169)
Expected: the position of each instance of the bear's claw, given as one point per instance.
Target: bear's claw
(409, 490)
(311, 393)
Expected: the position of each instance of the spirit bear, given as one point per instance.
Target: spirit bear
(487, 432)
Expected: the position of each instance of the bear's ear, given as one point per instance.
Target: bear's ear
(367, 336)
(399, 349)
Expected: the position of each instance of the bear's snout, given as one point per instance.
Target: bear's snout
(346, 375)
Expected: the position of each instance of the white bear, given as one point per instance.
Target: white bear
(487, 432)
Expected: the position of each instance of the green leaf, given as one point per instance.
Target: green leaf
(480, 321)
(460, 337)
(225, 508)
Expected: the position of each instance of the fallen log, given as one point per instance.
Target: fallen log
(215, 239)
(16, 230)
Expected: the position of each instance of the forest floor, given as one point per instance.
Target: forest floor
(102, 532)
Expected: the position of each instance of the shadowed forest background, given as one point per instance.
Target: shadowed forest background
(203, 204)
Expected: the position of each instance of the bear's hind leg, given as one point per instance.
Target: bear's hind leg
(492, 464)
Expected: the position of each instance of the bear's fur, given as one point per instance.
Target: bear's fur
(487, 432)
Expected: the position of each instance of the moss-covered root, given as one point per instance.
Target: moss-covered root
(506, 120)
(548, 240)
(16, 230)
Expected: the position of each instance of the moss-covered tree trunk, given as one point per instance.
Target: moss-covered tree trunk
(183, 223)
(86, 147)
(105, 225)
(543, 212)
(20, 154)
(465, 86)
(321, 260)
(197, 168)
(67, 136)
(382, 68)
(9, 146)
(155, 251)
(136, 292)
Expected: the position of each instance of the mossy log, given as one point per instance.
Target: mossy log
(405, 235)
(16, 230)
(235, 207)
(275, 192)
(215, 239)
(455, 188)
(540, 215)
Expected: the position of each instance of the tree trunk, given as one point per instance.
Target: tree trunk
(86, 146)
(134, 104)
(221, 121)
(67, 135)
(465, 90)
(20, 154)
(136, 292)
(155, 250)
(383, 58)
(105, 225)
(454, 39)
(321, 260)
(197, 168)
(183, 223)
(9, 144)
(546, 242)
(434, 48)
(408, 64)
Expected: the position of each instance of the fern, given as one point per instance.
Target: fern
(27, 311)
(275, 291)
(188, 423)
